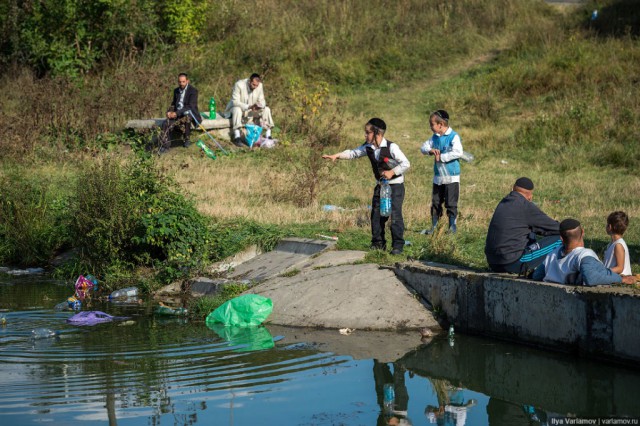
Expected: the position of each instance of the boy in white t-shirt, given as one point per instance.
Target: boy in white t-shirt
(616, 256)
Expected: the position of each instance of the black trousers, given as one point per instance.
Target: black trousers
(532, 256)
(180, 124)
(447, 194)
(397, 222)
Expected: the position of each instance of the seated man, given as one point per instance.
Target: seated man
(247, 101)
(572, 263)
(512, 245)
(185, 99)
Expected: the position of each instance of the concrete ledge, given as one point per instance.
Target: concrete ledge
(149, 123)
(599, 322)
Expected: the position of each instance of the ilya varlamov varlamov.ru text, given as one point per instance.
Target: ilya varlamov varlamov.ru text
(593, 421)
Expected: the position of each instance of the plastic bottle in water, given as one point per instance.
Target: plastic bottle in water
(124, 293)
(389, 397)
(385, 198)
(212, 108)
(42, 333)
(451, 331)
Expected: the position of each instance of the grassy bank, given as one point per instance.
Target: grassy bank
(531, 90)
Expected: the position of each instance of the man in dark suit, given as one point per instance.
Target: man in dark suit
(185, 99)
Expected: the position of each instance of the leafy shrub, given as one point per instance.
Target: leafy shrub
(33, 219)
(129, 214)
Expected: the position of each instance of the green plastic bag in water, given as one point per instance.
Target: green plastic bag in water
(246, 339)
(242, 311)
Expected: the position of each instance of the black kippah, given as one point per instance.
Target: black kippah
(525, 183)
(442, 114)
(378, 123)
(568, 225)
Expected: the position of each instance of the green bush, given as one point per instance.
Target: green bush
(128, 214)
(34, 218)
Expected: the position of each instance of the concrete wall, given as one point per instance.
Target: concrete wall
(600, 322)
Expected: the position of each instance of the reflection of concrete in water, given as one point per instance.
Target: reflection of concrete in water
(525, 376)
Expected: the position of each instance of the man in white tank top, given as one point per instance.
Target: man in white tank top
(572, 263)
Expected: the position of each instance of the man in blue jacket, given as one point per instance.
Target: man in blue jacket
(512, 240)
(574, 264)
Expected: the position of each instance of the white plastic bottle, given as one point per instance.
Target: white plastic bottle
(124, 293)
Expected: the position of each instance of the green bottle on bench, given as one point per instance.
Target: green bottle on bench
(212, 108)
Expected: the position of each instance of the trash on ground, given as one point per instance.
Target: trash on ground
(92, 318)
(243, 311)
(504, 162)
(328, 237)
(407, 243)
(253, 134)
(332, 208)
(265, 142)
(346, 331)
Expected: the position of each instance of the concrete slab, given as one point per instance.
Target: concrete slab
(335, 258)
(150, 123)
(349, 296)
(290, 253)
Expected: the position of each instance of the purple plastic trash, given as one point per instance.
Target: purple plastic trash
(92, 318)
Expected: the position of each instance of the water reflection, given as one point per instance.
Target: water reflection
(153, 370)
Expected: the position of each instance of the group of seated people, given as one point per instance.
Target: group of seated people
(524, 240)
(247, 104)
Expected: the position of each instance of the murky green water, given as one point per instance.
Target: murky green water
(159, 371)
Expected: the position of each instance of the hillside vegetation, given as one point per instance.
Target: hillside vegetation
(532, 89)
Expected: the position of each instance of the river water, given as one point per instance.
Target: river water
(151, 370)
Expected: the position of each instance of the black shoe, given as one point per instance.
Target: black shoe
(377, 247)
(396, 251)
(163, 150)
(186, 144)
(238, 142)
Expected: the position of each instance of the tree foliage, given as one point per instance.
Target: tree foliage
(70, 37)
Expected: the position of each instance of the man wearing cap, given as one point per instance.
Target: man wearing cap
(572, 263)
(388, 162)
(512, 244)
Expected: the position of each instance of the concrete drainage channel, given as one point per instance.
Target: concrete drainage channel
(313, 285)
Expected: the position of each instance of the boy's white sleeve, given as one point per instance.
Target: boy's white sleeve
(351, 154)
(403, 162)
(455, 153)
(426, 147)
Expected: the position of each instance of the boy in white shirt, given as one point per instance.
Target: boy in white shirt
(616, 256)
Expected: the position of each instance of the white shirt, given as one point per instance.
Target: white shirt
(396, 154)
(445, 157)
(610, 257)
(181, 99)
(565, 269)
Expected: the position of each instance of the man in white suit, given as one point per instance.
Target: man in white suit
(247, 102)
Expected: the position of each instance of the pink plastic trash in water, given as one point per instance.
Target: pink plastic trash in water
(92, 318)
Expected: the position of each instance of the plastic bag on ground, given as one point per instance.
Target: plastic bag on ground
(242, 311)
(253, 133)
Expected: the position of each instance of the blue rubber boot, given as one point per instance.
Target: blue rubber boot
(452, 225)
